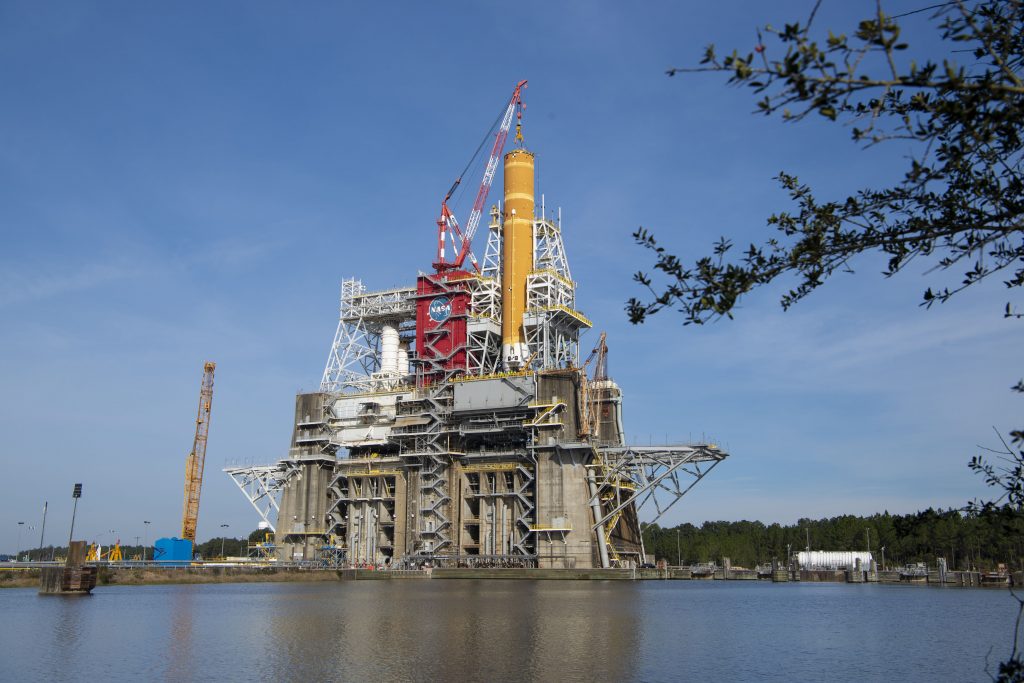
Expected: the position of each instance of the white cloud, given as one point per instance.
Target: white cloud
(26, 283)
(20, 285)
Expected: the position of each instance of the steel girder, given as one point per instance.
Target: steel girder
(262, 485)
(641, 474)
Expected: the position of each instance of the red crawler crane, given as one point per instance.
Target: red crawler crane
(447, 225)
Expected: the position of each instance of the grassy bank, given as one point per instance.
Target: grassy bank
(18, 578)
(133, 576)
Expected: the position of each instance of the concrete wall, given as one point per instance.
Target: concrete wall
(309, 415)
(302, 520)
(608, 399)
(563, 501)
(483, 506)
(562, 386)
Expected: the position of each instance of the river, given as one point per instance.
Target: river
(474, 630)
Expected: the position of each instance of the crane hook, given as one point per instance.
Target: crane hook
(519, 124)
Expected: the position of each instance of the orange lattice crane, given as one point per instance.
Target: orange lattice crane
(589, 420)
(195, 460)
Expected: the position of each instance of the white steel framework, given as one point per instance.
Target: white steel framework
(262, 485)
(638, 475)
(483, 345)
(551, 322)
(355, 355)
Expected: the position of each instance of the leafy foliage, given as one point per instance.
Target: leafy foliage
(233, 547)
(960, 202)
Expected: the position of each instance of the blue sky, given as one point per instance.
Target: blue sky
(188, 182)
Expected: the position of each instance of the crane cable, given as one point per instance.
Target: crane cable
(483, 142)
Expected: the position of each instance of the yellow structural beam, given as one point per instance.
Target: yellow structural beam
(490, 467)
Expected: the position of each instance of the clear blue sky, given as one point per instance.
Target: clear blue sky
(182, 182)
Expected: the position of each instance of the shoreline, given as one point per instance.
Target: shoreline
(154, 576)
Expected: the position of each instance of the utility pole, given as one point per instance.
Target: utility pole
(42, 531)
(76, 493)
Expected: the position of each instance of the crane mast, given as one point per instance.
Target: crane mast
(590, 425)
(447, 225)
(196, 459)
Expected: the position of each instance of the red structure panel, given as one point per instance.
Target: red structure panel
(442, 310)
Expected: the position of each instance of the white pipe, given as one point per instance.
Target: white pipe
(403, 360)
(389, 349)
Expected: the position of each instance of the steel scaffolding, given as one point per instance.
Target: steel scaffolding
(551, 322)
(355, 355)
(261, 485)
(641, 475)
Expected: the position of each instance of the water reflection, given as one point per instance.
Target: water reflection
(496, 630)
(66, 636)
(180, 655)
(466, 630)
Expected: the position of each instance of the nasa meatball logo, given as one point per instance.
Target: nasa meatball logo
(440, 309)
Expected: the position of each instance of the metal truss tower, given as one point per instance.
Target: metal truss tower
(483, 345)
(551, 321)
(354, 362)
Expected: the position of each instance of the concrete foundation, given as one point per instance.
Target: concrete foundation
(481, 472)
(302, 520)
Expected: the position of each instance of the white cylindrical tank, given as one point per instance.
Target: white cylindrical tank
(833, 559)
(389, 350)
(403, 359)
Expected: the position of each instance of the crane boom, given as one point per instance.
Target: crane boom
(447, 224)
(196, 459)
(591, 424)
(600, 352)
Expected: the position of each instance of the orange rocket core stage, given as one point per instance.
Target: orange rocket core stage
(517, 239)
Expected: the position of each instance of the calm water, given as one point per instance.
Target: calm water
(505, 630)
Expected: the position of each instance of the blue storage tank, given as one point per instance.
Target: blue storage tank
(173, 552)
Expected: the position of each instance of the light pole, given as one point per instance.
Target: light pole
(145, 539)
(17, 551)
(223, 526)
(76, 494)
(679, 555)
(883, 558)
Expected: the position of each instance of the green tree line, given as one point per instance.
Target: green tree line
(978, 540)
(234, 547)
